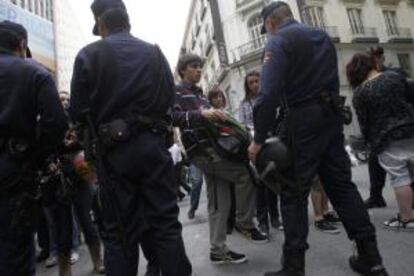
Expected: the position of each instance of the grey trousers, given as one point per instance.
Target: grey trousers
(219, 175)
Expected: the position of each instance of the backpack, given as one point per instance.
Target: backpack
(230, 139)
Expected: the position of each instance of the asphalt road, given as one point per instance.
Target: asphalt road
(328, 254)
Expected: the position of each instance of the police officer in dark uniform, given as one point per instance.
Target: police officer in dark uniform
(127, 87)
(300, 74)
(32, 123)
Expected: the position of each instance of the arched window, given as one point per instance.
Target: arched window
(254, 26)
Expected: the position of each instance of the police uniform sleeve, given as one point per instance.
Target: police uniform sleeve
(52, 121)
(185, 118)
(410, 91)
(273, 86)
(80, 91)
(169, 79)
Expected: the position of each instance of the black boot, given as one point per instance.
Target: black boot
(180, 195)
(368, 262)
(293, 265)
(375, 202)
(153, 270)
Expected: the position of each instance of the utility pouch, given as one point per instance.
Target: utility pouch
(24, 214)
(17, 148)
(115, 132)
(337, 103)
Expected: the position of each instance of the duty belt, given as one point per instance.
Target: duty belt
(307, 102)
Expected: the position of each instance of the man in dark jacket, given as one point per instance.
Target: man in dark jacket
(300, 74)
(32, 123)
(127, 87)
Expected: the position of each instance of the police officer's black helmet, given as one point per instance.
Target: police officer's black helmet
(267, 10)
(99, 7)
(10, 31)
(186, 59)
(274, 150)
(271, 163)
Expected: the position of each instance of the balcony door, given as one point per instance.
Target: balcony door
(254, 26)
(314, 16)
(355, 20)
(391, 22)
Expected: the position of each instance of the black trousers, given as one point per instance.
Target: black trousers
(377, 176)
(266, 205)
(318, 148)
(43, 231)
(141, 171)
(17, 248)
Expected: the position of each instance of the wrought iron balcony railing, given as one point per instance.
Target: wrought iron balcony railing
(332, 31)
(399, 34)
(240, 3)
(365, 34)
(251, 47)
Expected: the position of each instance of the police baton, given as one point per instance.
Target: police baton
(253, 173)
(104, 180)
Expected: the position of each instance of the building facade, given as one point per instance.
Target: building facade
(354, 25)
(69, 39)
(37, 17)
(55, 35)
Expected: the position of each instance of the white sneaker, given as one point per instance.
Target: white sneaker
(51, 261)
(74, 257)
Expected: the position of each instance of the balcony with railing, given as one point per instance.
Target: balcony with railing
(245, 6)
(251, 48)
(400, 35)
(241, 3)
(364, 35)
(333, 33)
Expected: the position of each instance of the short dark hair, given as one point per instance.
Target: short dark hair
(185, 60)
(11, 43)
(281, 12)
(358, 68)
(11, 36)
(116, 20)
(247, 91)
(376, 52)
(214, 93)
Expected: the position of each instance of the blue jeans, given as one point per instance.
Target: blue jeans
(61, 228)
(195, 177)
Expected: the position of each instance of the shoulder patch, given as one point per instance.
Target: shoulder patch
(267, 56)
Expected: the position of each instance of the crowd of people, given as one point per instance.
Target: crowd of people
(109, 167)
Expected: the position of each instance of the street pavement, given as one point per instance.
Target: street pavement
(328, 254)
